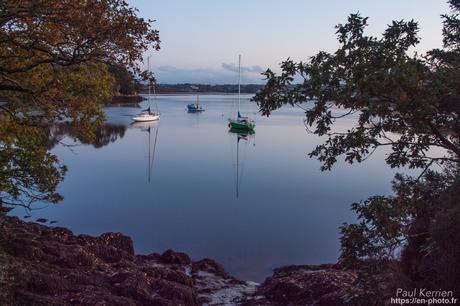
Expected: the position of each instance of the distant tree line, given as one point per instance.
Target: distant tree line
(193, 88)
(126, 82)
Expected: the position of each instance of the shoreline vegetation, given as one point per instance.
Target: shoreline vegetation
(185, 88)
(191, 88)
(43, 265)
(123, 100)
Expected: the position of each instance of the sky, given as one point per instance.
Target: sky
(201, 39)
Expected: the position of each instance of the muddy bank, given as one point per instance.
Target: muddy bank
(41, 265)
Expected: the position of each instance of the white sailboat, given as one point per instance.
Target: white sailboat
(147, 114)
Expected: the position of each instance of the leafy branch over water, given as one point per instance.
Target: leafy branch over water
(410, 104)
(54, 66)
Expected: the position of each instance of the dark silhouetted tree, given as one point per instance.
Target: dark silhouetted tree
(409, 104)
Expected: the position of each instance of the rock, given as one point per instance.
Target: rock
(305, 285)
(47, 284)
(211, 266)
(171, 257)
(118, 241)
(40, 265)
(58, 232)
(108, 253)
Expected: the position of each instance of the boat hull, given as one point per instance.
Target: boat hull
(146, 118)
(244, 126)
(193, 109)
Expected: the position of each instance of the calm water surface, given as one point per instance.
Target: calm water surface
(283, 211)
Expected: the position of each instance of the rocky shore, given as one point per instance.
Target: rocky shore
(41, 265)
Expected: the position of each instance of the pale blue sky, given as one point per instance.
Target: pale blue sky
(201, 39)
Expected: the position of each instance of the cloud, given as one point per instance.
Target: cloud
(227, 74)
(167, 69)
(253, 69)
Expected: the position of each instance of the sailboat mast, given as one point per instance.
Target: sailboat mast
(148, 68)
(155, 99)
(239, 81)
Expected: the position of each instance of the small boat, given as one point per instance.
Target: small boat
(147, 114)
(195, 107)
(240, 122)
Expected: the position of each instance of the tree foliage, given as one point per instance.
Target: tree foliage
(409, 103)
(54, 53)
(125, 83)
(54, 66)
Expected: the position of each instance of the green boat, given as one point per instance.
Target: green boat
(240, 122)
(241, 132)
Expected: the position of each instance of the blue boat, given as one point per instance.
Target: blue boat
(195, 107)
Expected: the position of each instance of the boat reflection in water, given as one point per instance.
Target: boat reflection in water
(151, 127)
(248, 138)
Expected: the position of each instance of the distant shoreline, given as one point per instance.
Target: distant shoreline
(195, 93)
(126, 100)
(123, 100)
(188, 88)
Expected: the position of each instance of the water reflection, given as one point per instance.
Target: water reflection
(248, 137)
(148, 127)
(279, 208)
(105, 134)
